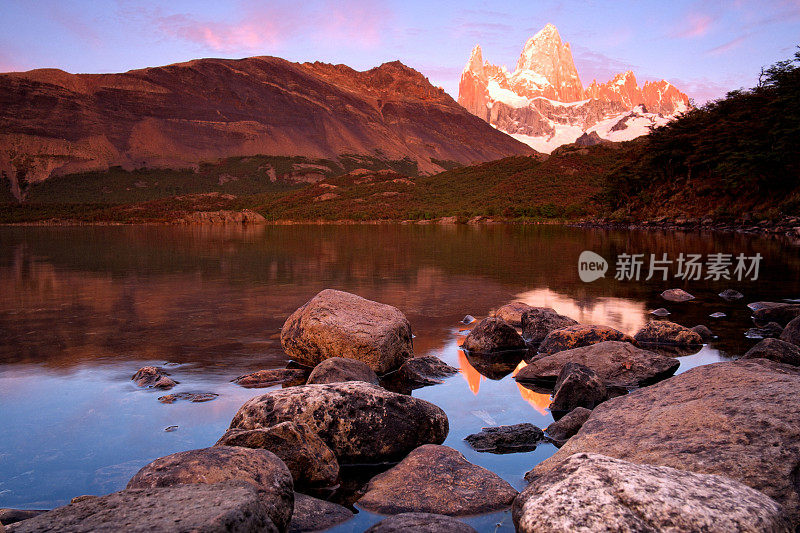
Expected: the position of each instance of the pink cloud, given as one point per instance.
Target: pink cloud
(697, 25)
(728, 46)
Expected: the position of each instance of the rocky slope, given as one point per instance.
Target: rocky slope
(55, 123)
(544, 104)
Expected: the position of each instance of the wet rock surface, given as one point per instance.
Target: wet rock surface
(538, 322)
(153, 377)
(705, 333)
(506, 439)
(791, 333)
(618, 364)
(579, 336)
(313, 514)
(775, 350)
(436, 479)
(493, 335)
(736, 419)
(339, 324)
(194, 397)
(782, 313)
(664, 332)
(420, 523)
(210, 508)
(308, 458)
(339, 369)
(771, 330)
(577, 386)
(731, 295)
(676, 295)
(568, 425)
(262, 469)
(268, 378)
(592, 492)
(11, 516)
(361, 423)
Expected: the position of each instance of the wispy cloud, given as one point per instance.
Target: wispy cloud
(695, 25)
(729, 45)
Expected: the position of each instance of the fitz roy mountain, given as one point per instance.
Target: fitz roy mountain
(543, 103)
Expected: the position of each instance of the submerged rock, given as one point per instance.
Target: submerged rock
(538, 322)
(618, 364)
(664, 332)
(580, 335)
(312, 514)
(339, 324)
(274, 376)
(731, 295)
(493, 335)
(772, 330)
(705, 333)
(227, 507)
(361, 423)
(577, 386)
(782, 313)
(660, 312)
(791, 333)
(260, 468)
(592, 492)
(154, 378)
(742, 424)
(194, 397)
(506, 439)
(775, 350)
(339, 369)
(568, 425)
(512, 313)
(436, 479)
(676, 295)
(420, 523)
(718, 314)
(308, 458)
(469, 319)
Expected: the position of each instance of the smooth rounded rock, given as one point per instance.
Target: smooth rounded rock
(153, 377)
(580, 335)
(420, 523)
(705, 333)
(676, 295)
(506, 439)
(262, 469)
(511, 313)
(339, 324)
(775, 350)
(736, 419)
(227, 507)
(592, 492)
(312, 514)
(436, 479)
(537, 322)
(11, 516)
(493, 335)
(339, 369)
(567, 426)
(308, 458)
(271, 377)
(791, 333)
(577, 386)
(617, 364)
(361, 423)
(731, 295)
(782, 313)
(664, 332)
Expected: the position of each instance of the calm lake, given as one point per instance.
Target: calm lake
(82, 308)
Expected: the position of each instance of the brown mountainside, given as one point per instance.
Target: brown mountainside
(55, 123)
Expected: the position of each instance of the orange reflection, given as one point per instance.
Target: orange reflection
(472, 376)
(540, 402)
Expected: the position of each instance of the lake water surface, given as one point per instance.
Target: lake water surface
(82, 308)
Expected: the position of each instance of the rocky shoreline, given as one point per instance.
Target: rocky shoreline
(716, 448)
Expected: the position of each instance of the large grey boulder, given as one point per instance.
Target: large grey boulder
(580, 335)
(340, 369)
(420, 523)
(775, 350)
(618, 364)
(361, 423)
(493, 335)
(262, 469)
(225, 507)
(737, 419)
(436, 479)
(538, 322)
(339, 324)
(308, 458)
(664, 332)
(592, 492)
(313, 514)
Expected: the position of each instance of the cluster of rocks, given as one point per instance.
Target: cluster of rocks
(788, 226)
(716, 448)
